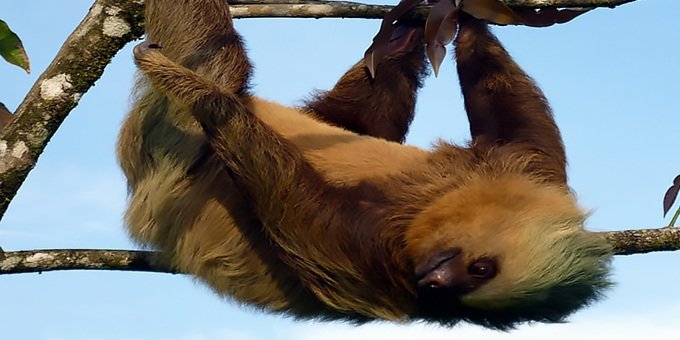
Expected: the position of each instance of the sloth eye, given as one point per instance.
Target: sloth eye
(483, 268)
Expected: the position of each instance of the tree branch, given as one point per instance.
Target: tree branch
(626, 242)
(642, 241)
(107, 27)
(343, 9)
(38, 261)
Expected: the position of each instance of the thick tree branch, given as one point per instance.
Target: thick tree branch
(625, 242)
(108, 26)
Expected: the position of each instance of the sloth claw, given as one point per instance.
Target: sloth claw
(143, 48)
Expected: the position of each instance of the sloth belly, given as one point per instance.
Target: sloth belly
(204, 227)
(341, 157)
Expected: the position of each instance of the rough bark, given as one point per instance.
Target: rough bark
(38, 261)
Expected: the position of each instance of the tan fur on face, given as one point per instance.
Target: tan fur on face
(534, 232)
(483, 209)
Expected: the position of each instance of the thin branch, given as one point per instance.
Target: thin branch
(344, 9)
(38, 261)
(642, 241)
(315, 9)
(565, 3)
(625, 242)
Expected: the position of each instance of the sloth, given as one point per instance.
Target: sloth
(320, 212)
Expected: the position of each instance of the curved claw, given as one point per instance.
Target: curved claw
(143, 48)
(548, 16)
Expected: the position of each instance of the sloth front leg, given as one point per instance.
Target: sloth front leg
(288, 194)
(383, 106)
(200, 35)
(504, 105)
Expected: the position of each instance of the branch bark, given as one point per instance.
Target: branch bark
(344, 9)
(642, 241)
(625, 242)
(38, 261)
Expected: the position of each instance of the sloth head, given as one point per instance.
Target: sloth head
(498, 252)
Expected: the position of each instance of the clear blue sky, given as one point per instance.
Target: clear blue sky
(613, 79)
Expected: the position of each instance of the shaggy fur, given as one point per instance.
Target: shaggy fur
(283, 209)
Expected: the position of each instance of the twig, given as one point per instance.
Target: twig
(642, 241)
(38, 261)
(108, 26)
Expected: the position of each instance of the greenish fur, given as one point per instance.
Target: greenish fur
(571, 270)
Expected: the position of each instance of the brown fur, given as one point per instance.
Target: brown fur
(281, 210)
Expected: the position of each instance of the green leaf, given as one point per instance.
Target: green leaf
(12, 49)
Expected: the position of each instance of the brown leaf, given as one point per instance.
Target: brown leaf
(671, 195)
(378, 49)
(494, 11)
(440, 11)
(436, 53)
(448, 28)
(545, 17)
(440, 29)
(5, 116)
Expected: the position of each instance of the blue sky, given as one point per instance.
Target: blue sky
(612, 77)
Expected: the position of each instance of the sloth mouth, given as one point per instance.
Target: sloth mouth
(433, 267)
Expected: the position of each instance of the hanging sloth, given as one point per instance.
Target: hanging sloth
(320, 212)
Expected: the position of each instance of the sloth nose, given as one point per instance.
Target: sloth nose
(443, 274)
(439, 278)
(438, 271)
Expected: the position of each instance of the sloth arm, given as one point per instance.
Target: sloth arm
(271, 171)
(222, 60)
(504, 105)
(199, 35)
(383, 106)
